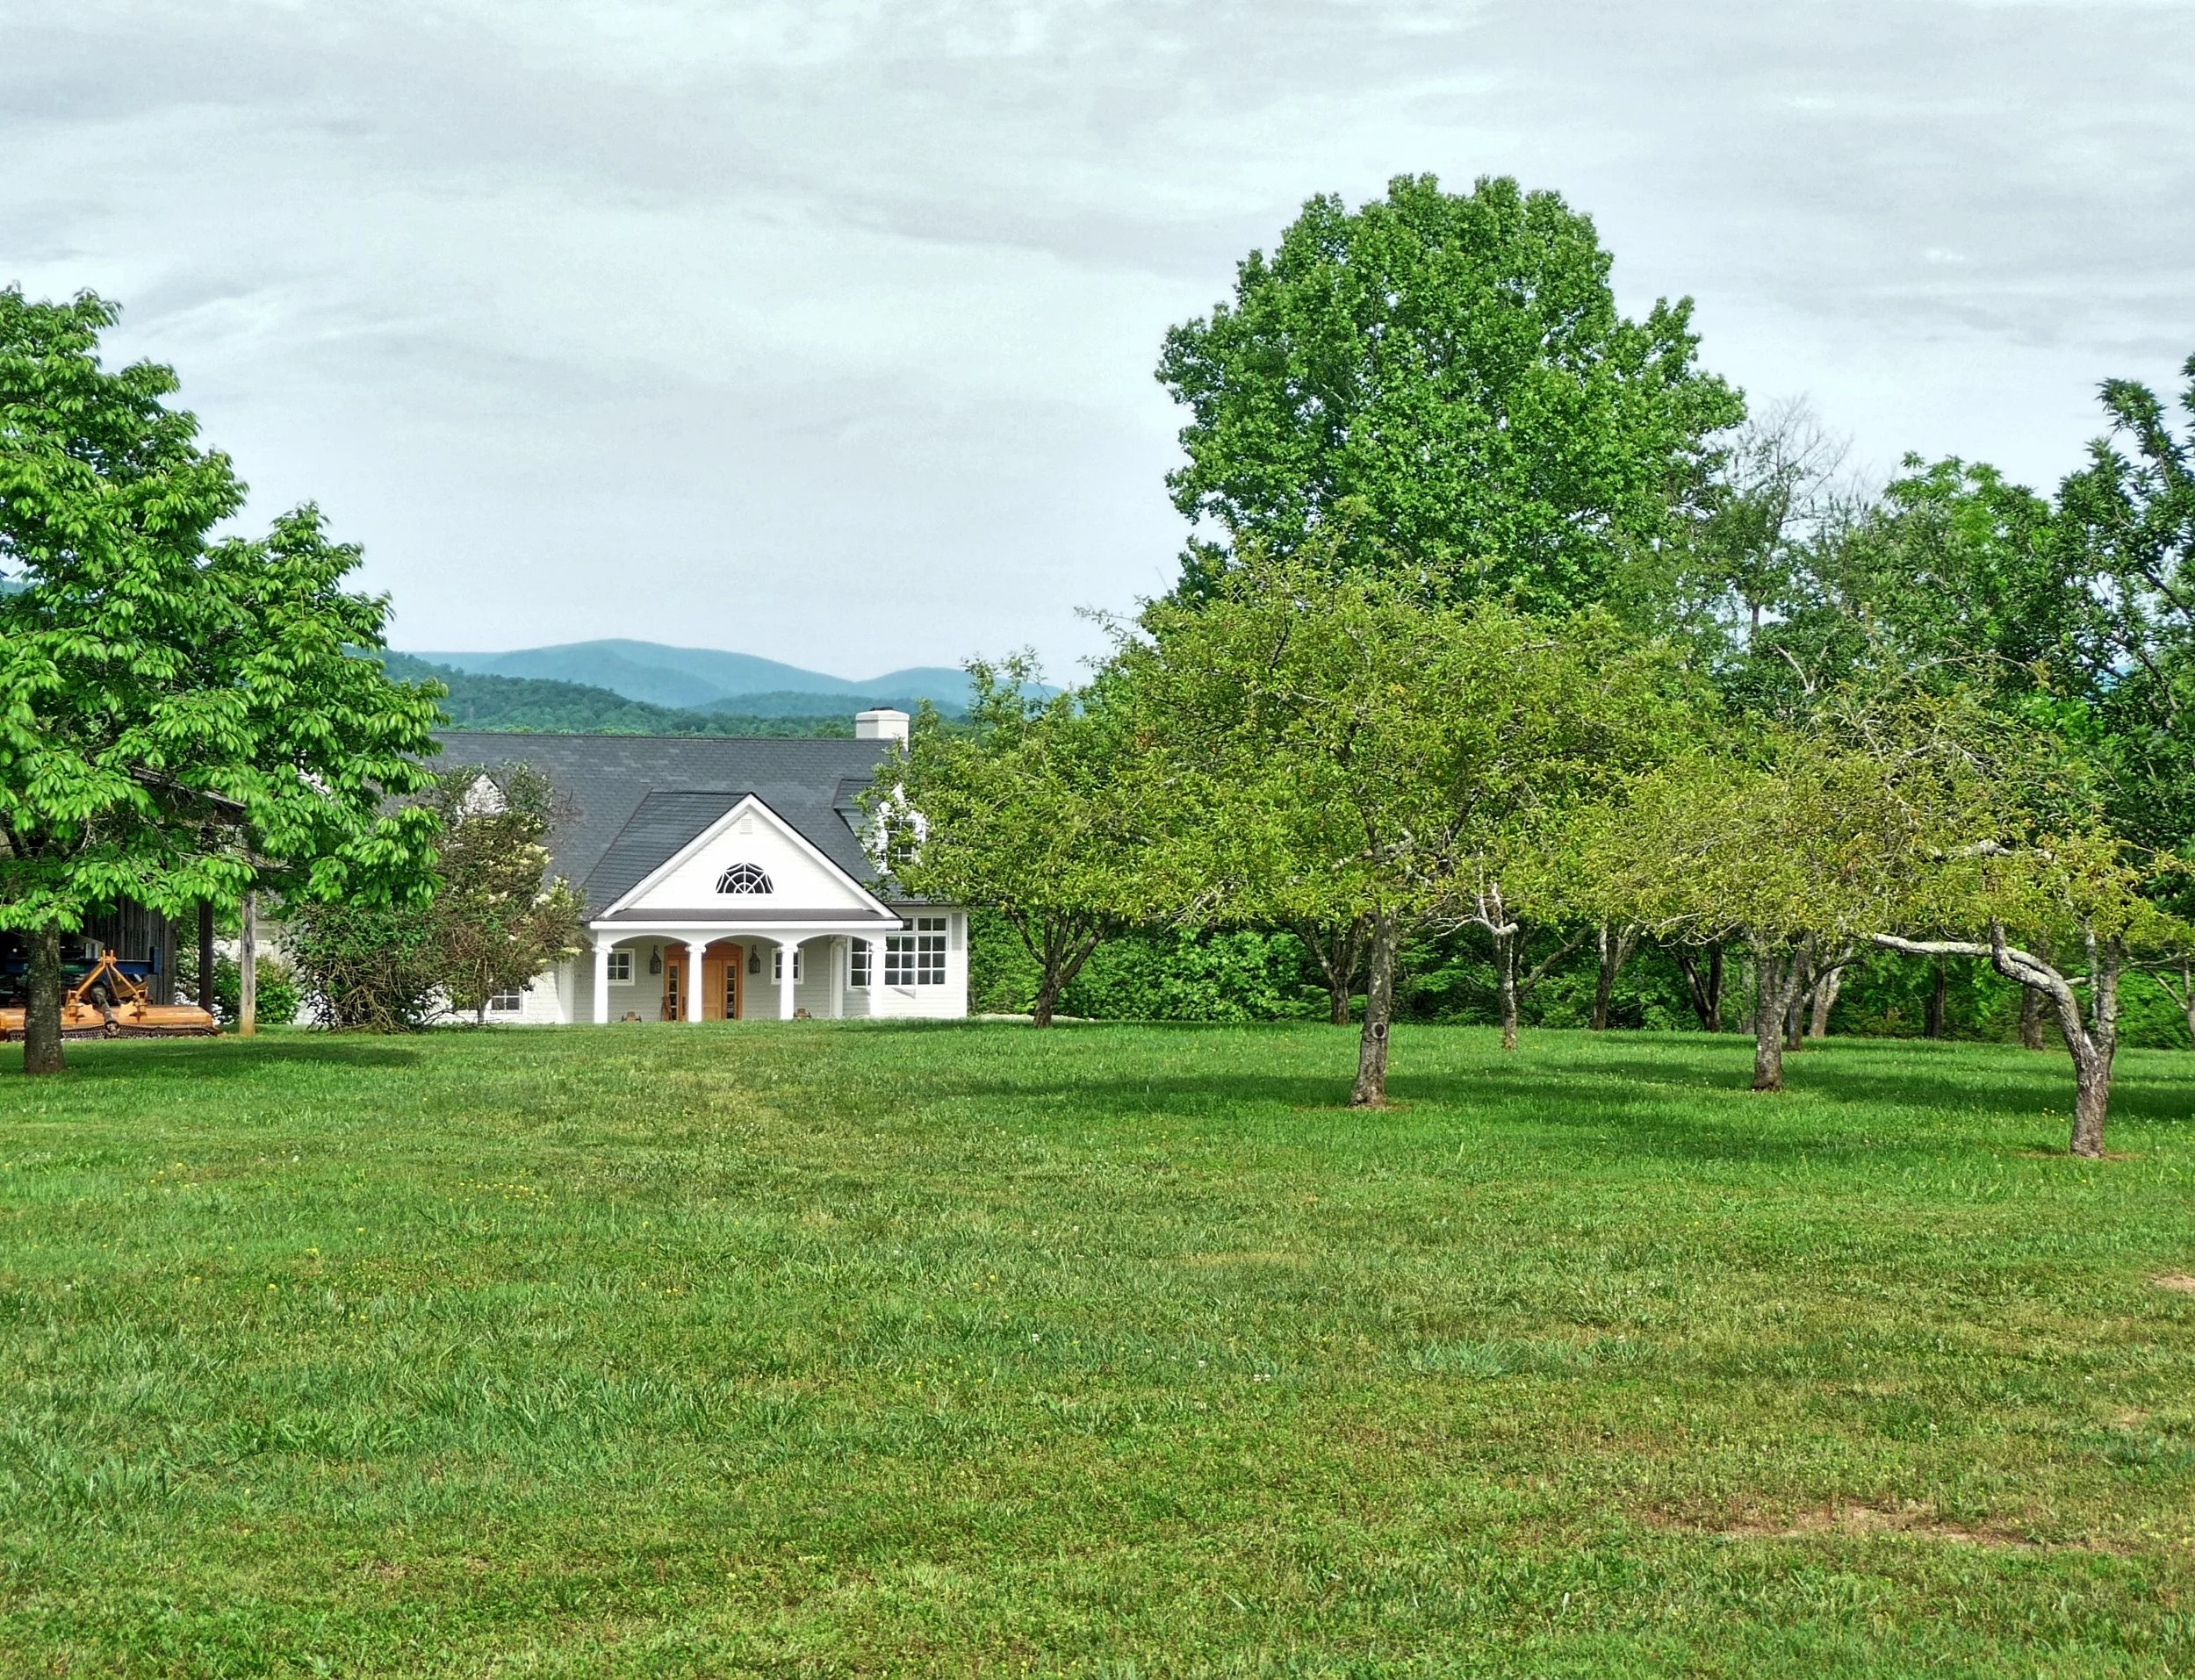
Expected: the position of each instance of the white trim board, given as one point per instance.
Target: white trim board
(749, 804)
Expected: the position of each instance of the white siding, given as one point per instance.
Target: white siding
(567, 994)
(541, 1004)
(642, 993)
(949, 1001)
(812, 992)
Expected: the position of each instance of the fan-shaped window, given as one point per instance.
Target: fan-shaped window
(745, 878)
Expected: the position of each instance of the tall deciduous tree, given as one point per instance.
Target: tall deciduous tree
(2129, 519)
(178, 720)
(1442, 385)
(1029, 810)
(1332, 748)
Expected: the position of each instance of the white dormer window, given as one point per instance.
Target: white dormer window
(745, 878)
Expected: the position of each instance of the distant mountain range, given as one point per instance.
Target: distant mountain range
(705, 679)
(537, 705)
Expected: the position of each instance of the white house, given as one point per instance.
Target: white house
(725, 879)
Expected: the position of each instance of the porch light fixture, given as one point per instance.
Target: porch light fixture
(655, 960)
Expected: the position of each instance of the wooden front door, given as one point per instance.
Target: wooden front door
(722, 967)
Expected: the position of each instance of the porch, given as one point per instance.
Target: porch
(712, 974)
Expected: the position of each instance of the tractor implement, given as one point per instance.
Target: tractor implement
(111, 1002)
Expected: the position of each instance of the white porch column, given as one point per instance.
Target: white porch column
(787, 962)
(693, 948)
(603, 941)
(837, 949)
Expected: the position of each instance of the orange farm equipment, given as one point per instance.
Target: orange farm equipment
(111, 1002)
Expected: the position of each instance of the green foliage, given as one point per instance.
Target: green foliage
(525, 705)
(1964, 573)
(1337, 747)
(1173, 974)
(500, 920)
(1030, 812)
(840, 1349)
(1442, 386)
(366, 967)
(2130, 518)
(1003, 977)
(1450, 977)
(179, 718)
(495, 921)
(280, 996)
(1184, 975)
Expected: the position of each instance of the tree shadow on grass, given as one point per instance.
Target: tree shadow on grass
(1661, 1119)
(1700, 1108)
(227, 1058)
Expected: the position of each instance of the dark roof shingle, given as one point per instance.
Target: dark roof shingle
(604, 781)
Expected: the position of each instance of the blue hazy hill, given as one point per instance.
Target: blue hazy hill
(708, 679)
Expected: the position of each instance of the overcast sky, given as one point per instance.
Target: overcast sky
(824, 330)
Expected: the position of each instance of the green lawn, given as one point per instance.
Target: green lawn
(1120, 1351)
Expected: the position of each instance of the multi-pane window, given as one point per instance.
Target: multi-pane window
(917, 959)
(777, 964)
(621, 967)
(744, 877)
(507, 1002)
(859, 954)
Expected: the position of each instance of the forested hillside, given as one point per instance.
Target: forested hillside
(540, 707)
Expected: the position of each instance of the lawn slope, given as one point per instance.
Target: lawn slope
(835, 1349)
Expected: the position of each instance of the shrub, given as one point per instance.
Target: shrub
(366, 968)
(1187, 976)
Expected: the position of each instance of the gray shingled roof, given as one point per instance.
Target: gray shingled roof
(622, 795)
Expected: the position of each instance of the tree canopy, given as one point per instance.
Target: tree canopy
(1335, 748)
(180, 717)
(1030, 810)
(1441, 384)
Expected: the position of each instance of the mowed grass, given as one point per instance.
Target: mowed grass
(835, 1349)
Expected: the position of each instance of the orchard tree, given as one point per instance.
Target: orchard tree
(180, 720)
(1799, 842)
(2089, 891)
(1330, 747)
(1441, 386)
(1029, 810)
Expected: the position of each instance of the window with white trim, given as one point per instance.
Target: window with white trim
(777, 964)
(745, 878)
(621, 968)
(507, 1003)
(917, 959)
(859, 954)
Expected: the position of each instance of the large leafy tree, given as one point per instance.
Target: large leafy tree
(2127, 520)
(1441, 384)
(180, 719)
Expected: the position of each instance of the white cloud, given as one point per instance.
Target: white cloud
(825, 330)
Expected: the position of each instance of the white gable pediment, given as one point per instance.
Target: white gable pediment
(750, 841)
